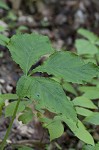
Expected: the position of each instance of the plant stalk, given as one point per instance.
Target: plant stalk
(10, 126)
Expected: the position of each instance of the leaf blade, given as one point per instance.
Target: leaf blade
(93, 118)
(69, 66)
(27, 49)
(9, 110)
(83, 111)
(55, 129)
(85, 47)
(4, 40)
(52, 98)
(84, 102)
(87, 34)
(79, 130)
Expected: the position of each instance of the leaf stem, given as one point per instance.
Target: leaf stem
(10, 126)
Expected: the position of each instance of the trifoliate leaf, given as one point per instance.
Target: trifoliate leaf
(93, 118)
(27, 49)
(84, 102)
(47, 93)
(69, 66)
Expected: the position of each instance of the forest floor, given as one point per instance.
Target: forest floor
(59, 19)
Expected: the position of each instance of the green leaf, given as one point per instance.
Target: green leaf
(92, 94)
(55, 129)
(26, 116)
(83, 134)
(93, 118)
(83, 111)
(68, 87)
(9, 110)
(79, 130)
(27, 49)
(84, 102)
(48, 94)
(88, 88)
(1, 102)
(22, 28)
(85, 47)
(89, 35)
(91, 59)
(68, 66)
(97, 146)
(3, 5)
(3, 40)
(95, 82)
(23, 86)
(3, 97)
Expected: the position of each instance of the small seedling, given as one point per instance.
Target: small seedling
(46, 91)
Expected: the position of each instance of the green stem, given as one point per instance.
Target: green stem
(10, 126)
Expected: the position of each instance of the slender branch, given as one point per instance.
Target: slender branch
(10, 126)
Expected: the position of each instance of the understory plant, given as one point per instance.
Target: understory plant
(44, 86)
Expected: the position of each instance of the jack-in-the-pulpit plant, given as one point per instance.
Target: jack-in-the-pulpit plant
(46, 92)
